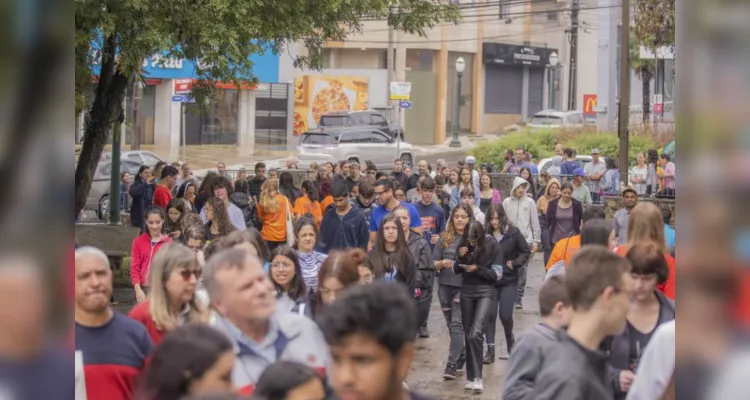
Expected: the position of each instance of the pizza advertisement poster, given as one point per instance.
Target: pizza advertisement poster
(315, 95)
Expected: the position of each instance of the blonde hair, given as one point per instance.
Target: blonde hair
(170, 257)
(646, 224)
(268, 195)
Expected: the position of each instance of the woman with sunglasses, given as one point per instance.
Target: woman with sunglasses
(171, 302)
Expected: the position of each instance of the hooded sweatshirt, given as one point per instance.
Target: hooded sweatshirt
(341, 232)
(420, 250)
(523, 212)
(541, 204)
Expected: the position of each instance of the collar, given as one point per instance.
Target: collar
(279, 328)
(546, 330)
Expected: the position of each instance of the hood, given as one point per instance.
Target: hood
(239, 199)
(518, 181)
(549, 183)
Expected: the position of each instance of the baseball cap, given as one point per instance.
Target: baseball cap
(595, 151)
(470, 160)
(629, 189)
(578, 172)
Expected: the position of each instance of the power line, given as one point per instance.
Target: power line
(521, 34)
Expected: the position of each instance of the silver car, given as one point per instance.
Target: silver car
(558, 120)
(137, 156)
(98, 198)
(357, 144)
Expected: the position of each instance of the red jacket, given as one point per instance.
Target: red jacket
(142, 314)
(141, 255)
(162, 197)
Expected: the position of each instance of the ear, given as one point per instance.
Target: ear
(557, 310)
(403, 360)
(608, 294)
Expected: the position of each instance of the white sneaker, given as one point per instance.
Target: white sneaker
(469, 386)
(478, 388)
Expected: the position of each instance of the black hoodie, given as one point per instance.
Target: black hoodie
(341, 232)
(512, 247)
(483, 258)
(420, 250)
(249, 211)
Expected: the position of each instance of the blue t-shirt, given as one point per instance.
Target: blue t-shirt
(567, 167)
(379, 212)
(433, 219)
(669, 236)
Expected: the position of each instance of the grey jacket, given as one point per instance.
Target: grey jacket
(525, 361)
(446, 276)
(297, 338)
(420, 251)
(571, 372)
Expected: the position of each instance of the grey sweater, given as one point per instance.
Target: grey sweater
(571, 372)
(446, 276)
(525, 361)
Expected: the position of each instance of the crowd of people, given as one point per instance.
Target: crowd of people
(254, 286)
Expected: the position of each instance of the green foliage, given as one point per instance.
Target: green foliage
(609, 144)
(655, 23)
(644, 68)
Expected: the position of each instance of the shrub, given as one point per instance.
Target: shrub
(609, 145)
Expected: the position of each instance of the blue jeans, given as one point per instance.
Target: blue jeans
(449, 297)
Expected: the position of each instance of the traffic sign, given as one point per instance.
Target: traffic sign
(405, 104)
(182, 99)
(177, 98)
(400, 91)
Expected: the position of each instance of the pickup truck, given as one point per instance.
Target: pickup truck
(361, 118)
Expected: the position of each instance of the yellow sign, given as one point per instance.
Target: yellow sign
(315, 95)
(400, 91)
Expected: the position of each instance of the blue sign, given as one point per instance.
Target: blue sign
(182, 99)
(405, 104)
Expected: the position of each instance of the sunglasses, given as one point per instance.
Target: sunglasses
(186, 273)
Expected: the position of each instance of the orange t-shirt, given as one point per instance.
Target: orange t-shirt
(564, 249)
(303, 205)
(327, 201)
(668, 287)
(274, 223)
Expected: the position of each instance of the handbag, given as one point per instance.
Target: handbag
(289, 225)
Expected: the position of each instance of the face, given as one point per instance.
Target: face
(174, 214)
(260, 172)
(465, 176)
(559, 149)
(341, 203)
(629, 199)
(311, 390)
(383, 196)
(469, 200)
(446, 173)
(186, 170)
(484, 170)
(355, 191)
(470, 166)
(422, 167)
(485, 181)
(400, 194)
(397, 166)
(245, 293)
(345, 169)
(216, 379)
(643, 285)
(337, 169)
(170, 181)
(460, 219)
(641, 159)
(146, 174)
(272, 174)
(155, 224)
(595, 157)
(242, 174)
(427, 195)
(306, 238)
(180, 285)
(365, 275)
(495, 221)
(403, 216)
(407, 171)
(190, 191)
(390, 232)
(617, 303)
(329, 168)
(520, 156)
(371, 174)
(126, 177)
(520, 191)
(330, 289)
(554, 190)
(366, 201)
(282, 271)
(364, 370)
(525, 174)
(454, 177)
(354, 170)
(566, 194)
(221, 193)
(93, 284)
(209, 212)
(195, 244)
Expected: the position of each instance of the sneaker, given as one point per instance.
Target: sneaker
(519, 305)
(470, 385)
(478, 387)
(461, 361)
(450, 372)
(424, 332)
(489, 356)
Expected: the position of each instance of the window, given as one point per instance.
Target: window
(363, 119)
(135, 157)
(316, 138)
(105, 170)
(505, 9)
(150, 159)
(546, 120)
(335, 120)
(378, 137)
(362, 137)
(575, 118)
(378, 120)
(346, 137)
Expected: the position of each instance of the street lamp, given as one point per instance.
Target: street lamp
(553, 61)
(460, 66)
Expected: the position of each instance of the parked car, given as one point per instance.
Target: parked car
(361, 118)
(546, 163)
(351, 143)
(136, 156)
(552, 119)
(98, 198)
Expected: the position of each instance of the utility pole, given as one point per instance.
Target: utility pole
(390, 60)
(573, 70)
(137, 93)
(623, 112)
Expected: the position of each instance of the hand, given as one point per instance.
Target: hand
(175, 235)
(462, 251)
(150, 180)
(509, 264)
(626, 379)
(471, 268)
(201, 258)
(139, 295)
(534, 248)
(447, 263)
(434, 239)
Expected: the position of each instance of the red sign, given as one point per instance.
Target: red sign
(658, 108)
(589, 102)
(182, 86)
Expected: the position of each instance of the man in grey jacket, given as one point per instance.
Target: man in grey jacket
(598, 283)
(522, 213)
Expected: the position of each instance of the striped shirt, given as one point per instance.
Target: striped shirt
(310, 264)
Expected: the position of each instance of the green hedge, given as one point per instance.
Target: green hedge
(541, 145)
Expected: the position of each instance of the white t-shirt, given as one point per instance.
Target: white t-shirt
(591, 169)
(639, 173)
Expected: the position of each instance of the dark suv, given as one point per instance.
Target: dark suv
(361, 118)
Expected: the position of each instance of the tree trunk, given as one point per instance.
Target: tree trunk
(646, 88)
(107, 105)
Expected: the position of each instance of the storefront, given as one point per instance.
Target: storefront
(514, 84)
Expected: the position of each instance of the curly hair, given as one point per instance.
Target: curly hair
(450, 234)
(221, 216)
(268, 192)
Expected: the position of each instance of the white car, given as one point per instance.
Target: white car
(552, 119)
(355, 144)
(555, 161)
(136, 156)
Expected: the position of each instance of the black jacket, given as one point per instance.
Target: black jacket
(401, 178)
(254, 185)
(142, 194)
(513, 247)
(483, 258)
(353, 230)
(422, 254)
(249, 210)
(407, 274)
(552, 216)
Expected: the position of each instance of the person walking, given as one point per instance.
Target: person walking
(143, 250)
(564, 215)
(307, 203)
(488, 196)
(551, 192)
(163, 190)
(639, 175)
(391, 257)
(217, 223)
(256, 183)
(273, 209)
(521, 211)
(343, 226)
(466, 182)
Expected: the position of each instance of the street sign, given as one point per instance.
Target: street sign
(400, 91)
(589, 104)
(405, 104)
(179, 98)
(182, 86)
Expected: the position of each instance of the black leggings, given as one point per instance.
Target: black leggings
(503, 307)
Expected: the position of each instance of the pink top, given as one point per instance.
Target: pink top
(669, 171)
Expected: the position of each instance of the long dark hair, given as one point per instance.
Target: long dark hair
(280, 378)
(207, 184)
(478, 254)
(298, 289)
(221, 216)
(652, 156)
(342, 265)
(532, 184)
(311, 190)
(179, 205)
(496, 210)
(286, 185)
(137, 177)
(183, 357)
(381, 258)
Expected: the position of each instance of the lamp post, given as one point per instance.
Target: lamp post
(553, 60)
(460, 66)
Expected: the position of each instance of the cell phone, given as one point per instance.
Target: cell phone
(462, 266)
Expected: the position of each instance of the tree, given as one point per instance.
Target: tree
(644, 69)
(219, 36)
(655, 23)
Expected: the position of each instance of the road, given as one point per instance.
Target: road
(426, 375)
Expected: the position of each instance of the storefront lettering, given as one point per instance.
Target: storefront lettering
(159, 61)
(527, 57)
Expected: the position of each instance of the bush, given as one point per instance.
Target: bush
(609, 145)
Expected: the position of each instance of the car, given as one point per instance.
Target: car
(547, 163)
(361, 118)
(355, 144)
(98, 198)
(561, 120)
(137, 156)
